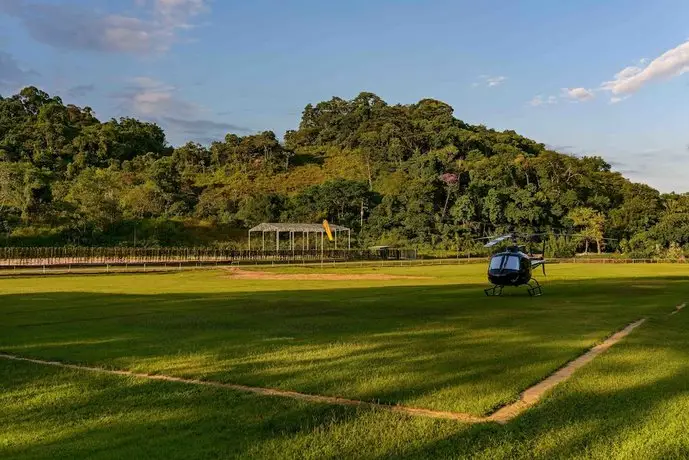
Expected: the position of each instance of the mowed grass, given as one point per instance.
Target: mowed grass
(436, 343)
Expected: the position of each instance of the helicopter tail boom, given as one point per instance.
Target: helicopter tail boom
(536, 263)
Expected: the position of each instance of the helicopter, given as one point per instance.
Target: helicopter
(513, 267)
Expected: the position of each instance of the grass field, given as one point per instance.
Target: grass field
(434, 342)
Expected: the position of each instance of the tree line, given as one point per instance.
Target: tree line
(410, 175)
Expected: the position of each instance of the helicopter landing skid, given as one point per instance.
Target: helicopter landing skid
(534, 288)
(494, 291)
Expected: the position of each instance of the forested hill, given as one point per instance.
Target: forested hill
(421, 176)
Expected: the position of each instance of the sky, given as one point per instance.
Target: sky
(591, 77)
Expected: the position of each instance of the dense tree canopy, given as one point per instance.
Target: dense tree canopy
(404, 174)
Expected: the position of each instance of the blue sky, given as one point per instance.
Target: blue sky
(587, 77)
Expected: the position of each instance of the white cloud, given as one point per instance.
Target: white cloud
(148, 97)
(569, 94)
(178, 12)
(154, 100)
(490, 81)
(616, 99)
(631, 79)
(577, 94)
(496, 81)
(541, 100)
(82, 28)
(149, 83)
(670, 64)
(175, 13)
(536, 101)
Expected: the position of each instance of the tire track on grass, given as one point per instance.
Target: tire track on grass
(502, 415)
(533, 394)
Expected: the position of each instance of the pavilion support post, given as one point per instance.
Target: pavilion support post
(335, 238)
(349, 239)
(263, 241)
(322, 244)
(249, 240)
(277, 240)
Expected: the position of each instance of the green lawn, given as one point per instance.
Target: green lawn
(436, 343)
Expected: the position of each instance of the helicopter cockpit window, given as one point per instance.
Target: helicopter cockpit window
(512, 263)
(504, 263)
(496, 262)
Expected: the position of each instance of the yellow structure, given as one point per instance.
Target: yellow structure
(326, 226)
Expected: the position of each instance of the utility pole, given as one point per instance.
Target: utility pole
(364, 206)
(362, 213)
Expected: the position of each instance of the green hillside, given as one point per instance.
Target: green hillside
(412, 175)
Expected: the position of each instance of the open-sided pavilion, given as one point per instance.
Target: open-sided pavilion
(310, 233)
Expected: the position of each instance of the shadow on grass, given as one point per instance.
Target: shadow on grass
(596, 415)
(446, 347)
(55, 413)
(631, 403)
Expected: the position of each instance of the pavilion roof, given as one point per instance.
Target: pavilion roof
(295, 227)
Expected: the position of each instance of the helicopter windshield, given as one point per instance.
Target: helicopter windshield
(504, 262)
(496, 262)
(512, 263)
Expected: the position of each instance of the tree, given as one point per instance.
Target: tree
(254, 210)
(338, 200)
(95, 197)
(590, 223)
(451, 182)
(422, 176)
(143, 201)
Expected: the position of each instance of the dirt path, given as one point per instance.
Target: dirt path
(502, 416)
(256, 390)
(678, 308)
(264, 275)
(532, 395)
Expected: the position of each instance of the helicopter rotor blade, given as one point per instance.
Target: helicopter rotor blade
(497, 240)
